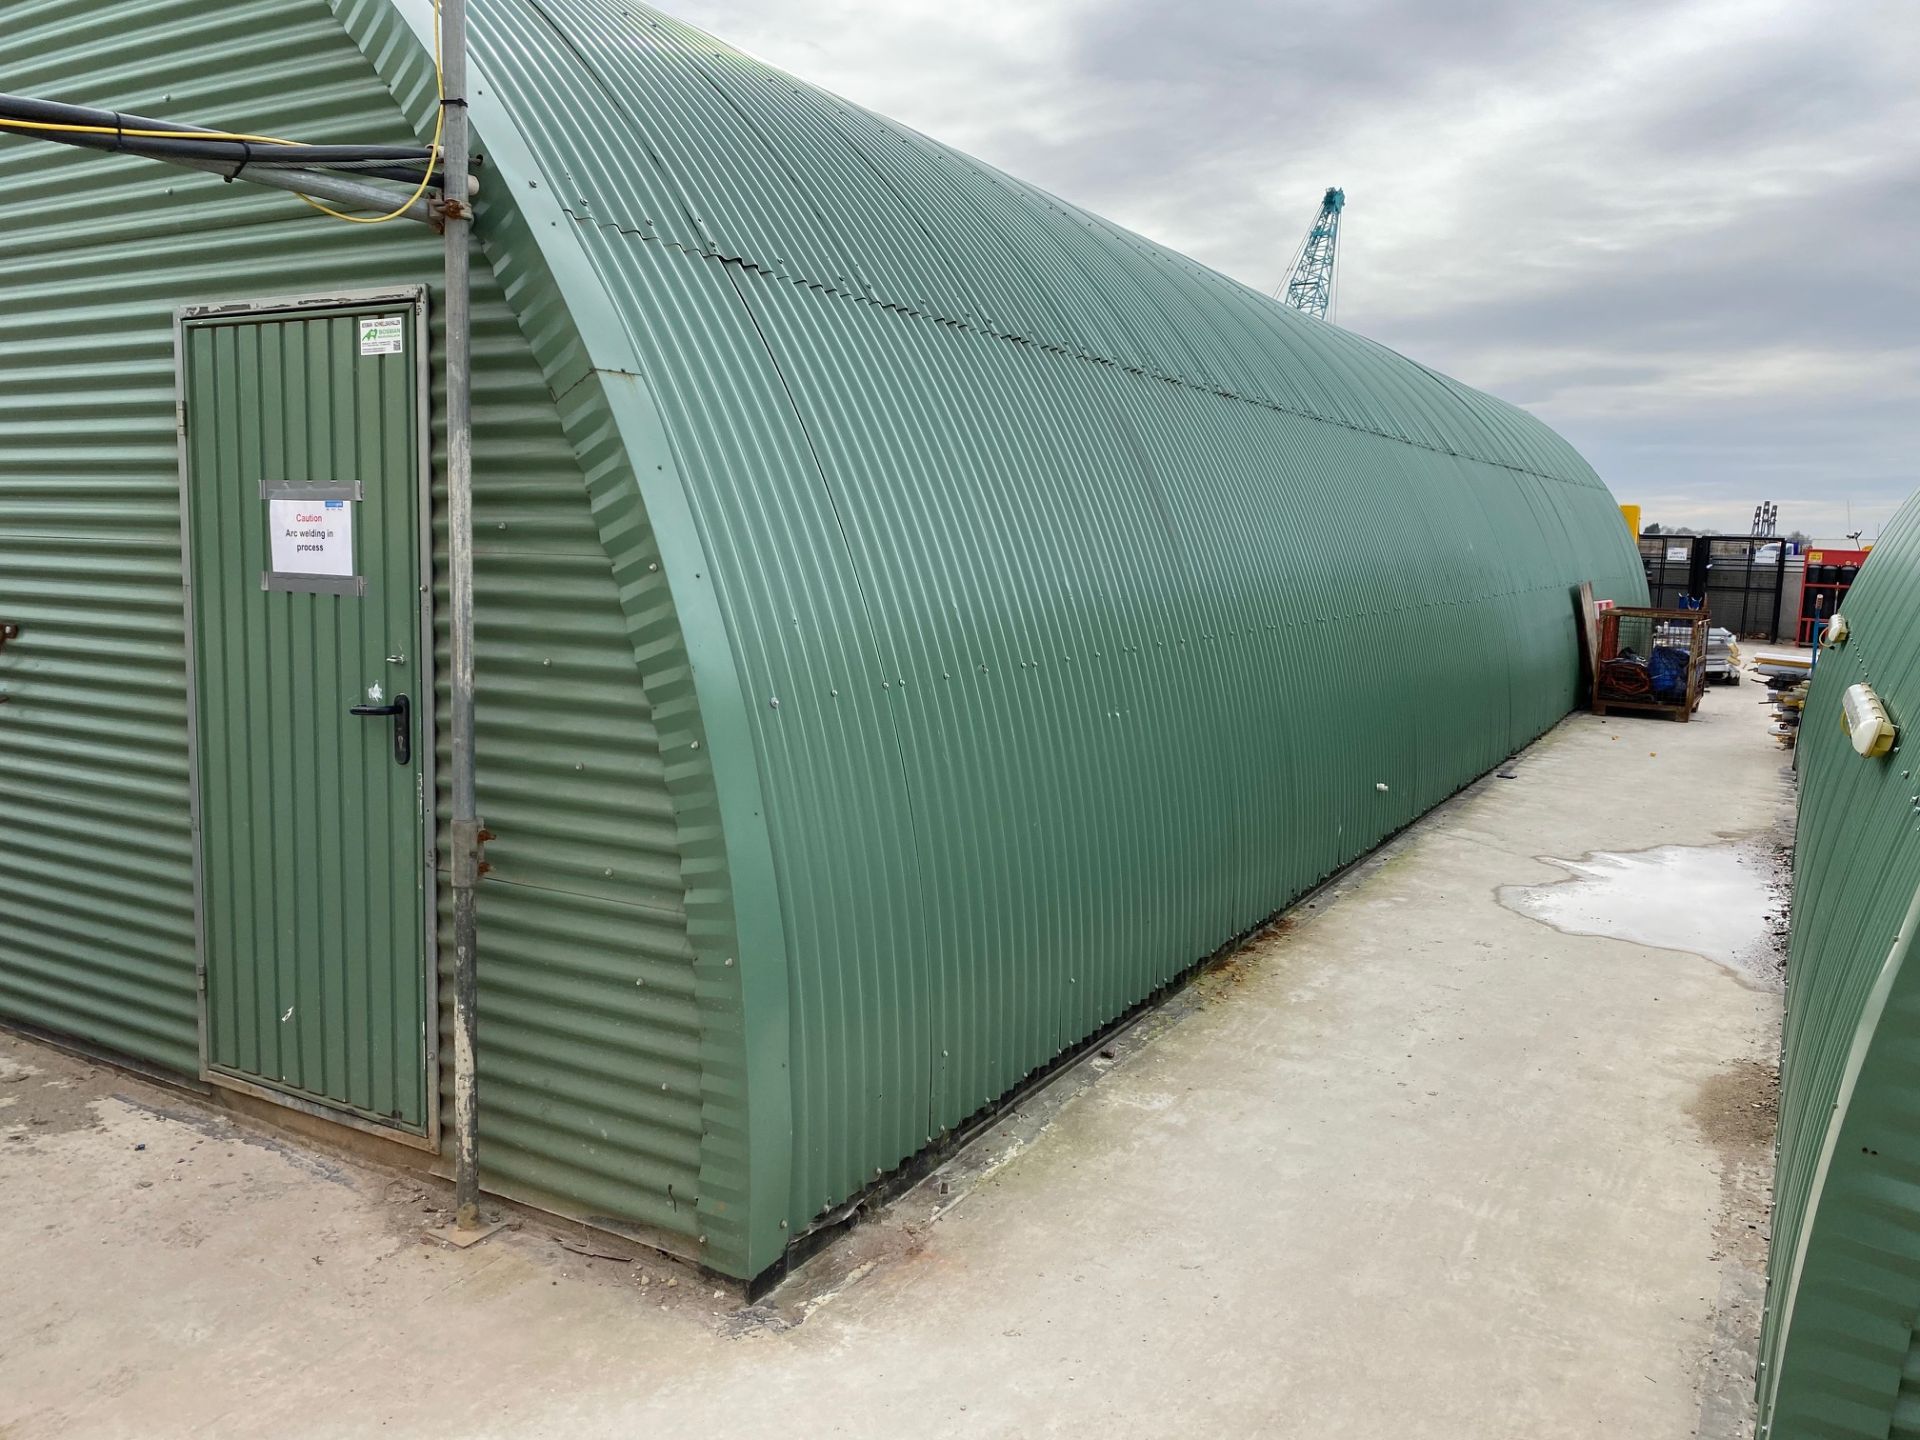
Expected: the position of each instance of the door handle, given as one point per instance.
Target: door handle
(402, 712)
(9, 630)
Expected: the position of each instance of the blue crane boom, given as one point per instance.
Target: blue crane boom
(1311, 286)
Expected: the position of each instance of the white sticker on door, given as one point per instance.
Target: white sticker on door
(311, 537)
(380, 334)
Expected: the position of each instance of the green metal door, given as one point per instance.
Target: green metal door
(302, 466)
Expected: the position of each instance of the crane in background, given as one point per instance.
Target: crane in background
(1310, 287)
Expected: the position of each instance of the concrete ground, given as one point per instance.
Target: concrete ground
(1413, 1164)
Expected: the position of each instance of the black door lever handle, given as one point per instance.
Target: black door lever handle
(402, 712)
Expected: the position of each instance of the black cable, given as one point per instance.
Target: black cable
(108, 132)
(242, 155)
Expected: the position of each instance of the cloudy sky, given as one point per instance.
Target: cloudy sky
(1686, 233)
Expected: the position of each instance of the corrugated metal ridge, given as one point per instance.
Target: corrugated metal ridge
(1090, 357)
(1321, 342)
(745, 1126)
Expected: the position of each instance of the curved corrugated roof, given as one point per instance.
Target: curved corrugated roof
(667, 136)
(1840, 1352)
(1054, 609)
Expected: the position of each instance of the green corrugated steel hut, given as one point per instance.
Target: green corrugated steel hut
(917, 618)
(1840, 1350)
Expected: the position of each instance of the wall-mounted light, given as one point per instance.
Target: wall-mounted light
(1836, 631)
(1866, 721)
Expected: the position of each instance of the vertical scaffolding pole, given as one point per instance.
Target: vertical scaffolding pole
(467, 833)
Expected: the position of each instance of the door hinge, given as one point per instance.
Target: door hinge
(180, 418)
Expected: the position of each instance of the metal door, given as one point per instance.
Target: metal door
(302, 476)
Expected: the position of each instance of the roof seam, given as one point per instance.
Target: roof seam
(1055, 348)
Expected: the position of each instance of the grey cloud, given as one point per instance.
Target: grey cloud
(1831, 273)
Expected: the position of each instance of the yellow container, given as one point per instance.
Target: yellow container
(1632, 515)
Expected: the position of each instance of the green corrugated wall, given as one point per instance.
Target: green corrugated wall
(593, 1083)
(1078, 600)
(975, 614)
(1840, 1352)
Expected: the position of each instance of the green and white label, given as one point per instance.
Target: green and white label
(380, 335)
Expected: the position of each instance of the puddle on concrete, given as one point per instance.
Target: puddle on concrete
(1714, 901)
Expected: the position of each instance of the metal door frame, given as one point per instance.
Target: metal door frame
(414, 298)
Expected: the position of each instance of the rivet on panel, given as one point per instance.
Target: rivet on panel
(652, 566)
(696, 744)
(773, 702)
(729, 960)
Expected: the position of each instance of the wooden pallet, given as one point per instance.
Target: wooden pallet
(1680, 712)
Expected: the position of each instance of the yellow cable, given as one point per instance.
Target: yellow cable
(439, 128)
(144, 134)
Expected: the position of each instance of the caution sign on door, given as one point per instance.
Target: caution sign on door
(311, 537)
